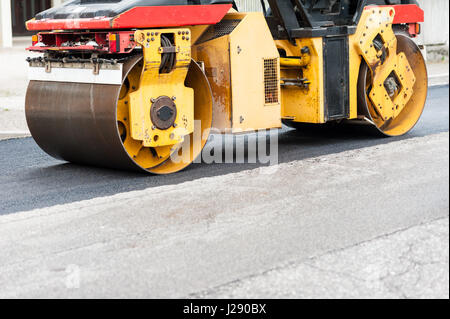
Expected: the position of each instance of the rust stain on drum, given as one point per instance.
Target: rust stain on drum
(77, 122)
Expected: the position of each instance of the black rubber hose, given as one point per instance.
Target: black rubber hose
(167, 59)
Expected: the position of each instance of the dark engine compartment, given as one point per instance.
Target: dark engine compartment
(289, 19)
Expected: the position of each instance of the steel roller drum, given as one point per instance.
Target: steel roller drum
(77, 122)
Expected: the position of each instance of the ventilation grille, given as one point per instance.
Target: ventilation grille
(271, 81)
(218, 30)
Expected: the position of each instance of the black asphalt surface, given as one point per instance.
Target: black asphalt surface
(31, 179)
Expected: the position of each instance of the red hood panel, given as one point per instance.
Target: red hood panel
(140, 17)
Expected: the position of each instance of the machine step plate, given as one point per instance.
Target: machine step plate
(112, 76)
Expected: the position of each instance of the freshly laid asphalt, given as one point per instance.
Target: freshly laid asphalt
(31, 179)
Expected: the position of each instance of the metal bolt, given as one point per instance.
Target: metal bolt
(153, 100)
(175, 125)
(174, 98)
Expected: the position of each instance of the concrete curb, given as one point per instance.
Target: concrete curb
(439, 79)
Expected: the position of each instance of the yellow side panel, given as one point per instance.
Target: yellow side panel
(300, 104)
(215, 56)
(254, 106)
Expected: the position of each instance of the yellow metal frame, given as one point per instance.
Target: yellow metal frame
(154, 84)
(234, 65)
(216, 60)
(374, 23)
(249, 48)
(303, 104)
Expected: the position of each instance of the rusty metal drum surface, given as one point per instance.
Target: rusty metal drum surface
(76, 122)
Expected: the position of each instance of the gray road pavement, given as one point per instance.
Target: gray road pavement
(31, 179)
(180, 240)
(345, 214)
(412, 263)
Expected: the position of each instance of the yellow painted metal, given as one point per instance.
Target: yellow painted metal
(192, 146)
(303, 104)
(405, 120)
(170, 158)
(235, 66)
(377, 23)
(143, 156)
(251, 47)
(153, 84)
(400, 59)
(293, 62)
(216, 58)
(386, 106)
(299, 61)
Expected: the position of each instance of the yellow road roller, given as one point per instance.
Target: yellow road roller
(139, 84)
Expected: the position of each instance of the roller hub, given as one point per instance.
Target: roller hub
(163, 112)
